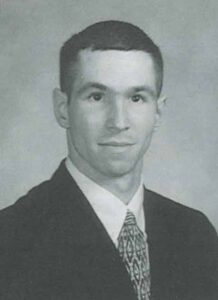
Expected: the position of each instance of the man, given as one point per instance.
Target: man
(93, 231)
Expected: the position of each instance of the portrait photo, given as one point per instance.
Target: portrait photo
(108, 150)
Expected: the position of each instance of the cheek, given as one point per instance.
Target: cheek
(144, 120)
(84, 127)
(89, 117)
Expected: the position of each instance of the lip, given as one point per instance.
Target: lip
(116, 144)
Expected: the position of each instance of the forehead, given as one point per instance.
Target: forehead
(115, 69)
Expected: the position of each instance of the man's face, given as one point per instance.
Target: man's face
(112, 111)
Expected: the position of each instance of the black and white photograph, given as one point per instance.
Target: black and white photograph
(108, 150)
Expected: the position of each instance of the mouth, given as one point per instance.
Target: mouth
(116, 144)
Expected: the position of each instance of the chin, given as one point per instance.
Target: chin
(118, 169)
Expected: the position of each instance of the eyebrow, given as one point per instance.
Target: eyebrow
(100, 86)
(144, 88)
(90, 85)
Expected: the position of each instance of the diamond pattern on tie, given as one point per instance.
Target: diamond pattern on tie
(133, 249)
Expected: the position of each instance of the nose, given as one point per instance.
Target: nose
(117, 119)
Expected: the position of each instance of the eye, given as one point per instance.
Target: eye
(137, 98)
(96, 96)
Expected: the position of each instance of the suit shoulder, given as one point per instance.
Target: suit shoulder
(165, 203)
(24, 219)
(38, 198)
(33, 201)
(179, 215)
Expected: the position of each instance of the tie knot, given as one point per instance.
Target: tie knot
(130, 218)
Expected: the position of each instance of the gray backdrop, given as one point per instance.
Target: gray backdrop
(182, 162)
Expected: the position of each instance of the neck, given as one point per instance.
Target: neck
(124, 186)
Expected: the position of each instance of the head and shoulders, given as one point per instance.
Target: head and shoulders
(110, 104)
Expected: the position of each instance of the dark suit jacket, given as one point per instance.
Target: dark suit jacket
(53, 246)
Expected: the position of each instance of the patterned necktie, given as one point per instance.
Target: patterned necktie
(133, 249)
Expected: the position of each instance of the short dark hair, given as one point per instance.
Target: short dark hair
(107, 35)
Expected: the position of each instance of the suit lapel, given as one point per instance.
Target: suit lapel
(159, 245)
(94, 255)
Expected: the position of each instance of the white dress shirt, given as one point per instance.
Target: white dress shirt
(110, 210)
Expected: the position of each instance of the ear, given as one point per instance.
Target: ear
(161, 102)
(60, 105)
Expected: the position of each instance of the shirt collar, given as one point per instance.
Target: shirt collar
(110, 209)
